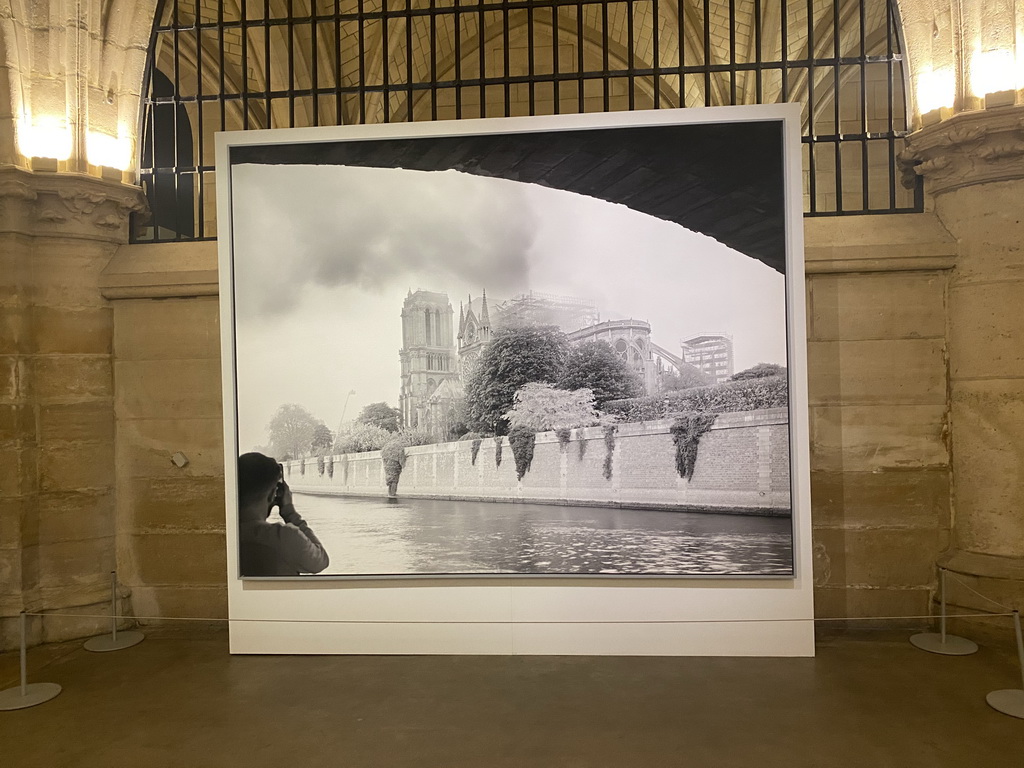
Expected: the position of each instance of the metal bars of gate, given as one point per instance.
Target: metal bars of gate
(218, 65)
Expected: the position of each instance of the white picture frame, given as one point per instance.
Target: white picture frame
(538, 613)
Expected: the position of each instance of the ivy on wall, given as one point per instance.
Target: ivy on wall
(564, 435)
(320, 465)
(393, 455)
(475, 449)
(687, 431)
(609, 448)
(522, 442)
(583, 443)
(330, 467)
(497, 450)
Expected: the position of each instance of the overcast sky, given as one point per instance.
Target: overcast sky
(325, 255)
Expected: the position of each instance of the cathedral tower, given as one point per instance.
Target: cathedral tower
(428, 359)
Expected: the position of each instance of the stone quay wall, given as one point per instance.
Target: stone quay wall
(742, 466)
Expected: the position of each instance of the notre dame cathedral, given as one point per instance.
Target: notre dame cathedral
(436, 356)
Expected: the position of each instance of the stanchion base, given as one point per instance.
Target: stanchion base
(105, 643)
(35, 693)
(953, 646)
(1009, 701)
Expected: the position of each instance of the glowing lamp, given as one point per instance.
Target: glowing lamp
(110, 151)
(45, 136)
(992, 72)
(936, 89)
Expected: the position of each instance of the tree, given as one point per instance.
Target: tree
(597, 367)
(291, 431)
(689, 376)
(514, 357)
(541, 407)
(322, 440)
(381, 415)
(759, 371)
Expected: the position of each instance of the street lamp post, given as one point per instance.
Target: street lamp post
(345, 407)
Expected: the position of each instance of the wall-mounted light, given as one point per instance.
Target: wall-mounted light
(936, 89)
(993, 71)
(110, 151)
(45, 136)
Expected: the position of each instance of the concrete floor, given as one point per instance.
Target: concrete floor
(178, 699)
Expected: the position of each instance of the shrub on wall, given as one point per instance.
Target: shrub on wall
(497, 451)
(686, 433)
(361, 438)
(474, 449)
(320, 465)
(744, 395)
(609, 448)
(302, 467)
(564, 435)
(330, 467)
(522, 442)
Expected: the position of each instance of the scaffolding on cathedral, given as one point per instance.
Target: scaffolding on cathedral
(569, 313)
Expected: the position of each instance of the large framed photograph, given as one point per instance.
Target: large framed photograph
(524, 352)
(520, 348)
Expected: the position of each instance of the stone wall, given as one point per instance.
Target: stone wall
(170, 519)
(880, 459)
(57, 484)
(742, 465)
(880, 463)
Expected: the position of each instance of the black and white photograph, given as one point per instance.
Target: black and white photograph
(525, 352)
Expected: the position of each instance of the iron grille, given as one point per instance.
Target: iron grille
(219, 65)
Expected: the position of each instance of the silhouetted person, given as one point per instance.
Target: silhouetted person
(266, 548)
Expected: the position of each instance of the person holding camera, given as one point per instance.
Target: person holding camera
(288, 548)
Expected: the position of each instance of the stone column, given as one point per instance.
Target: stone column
(973, 164)
(57, 232)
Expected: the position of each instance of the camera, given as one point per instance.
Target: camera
(279, 492)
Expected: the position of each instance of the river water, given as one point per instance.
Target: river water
(426, 536)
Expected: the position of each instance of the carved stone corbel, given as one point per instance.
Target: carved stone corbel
(67, 205)
(969, 148)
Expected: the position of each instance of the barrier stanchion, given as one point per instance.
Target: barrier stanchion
(1010, 701)
(940, 642)
(113, 641)
(27, 694)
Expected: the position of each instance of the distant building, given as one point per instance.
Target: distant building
(711, 354)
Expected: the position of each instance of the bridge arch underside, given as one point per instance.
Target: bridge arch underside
(724, 180)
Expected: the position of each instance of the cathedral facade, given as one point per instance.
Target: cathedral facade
(437, 358)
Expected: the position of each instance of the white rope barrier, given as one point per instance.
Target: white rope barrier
(1009, 701)
(464, 621)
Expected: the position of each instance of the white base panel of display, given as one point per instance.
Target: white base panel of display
(766, 618)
